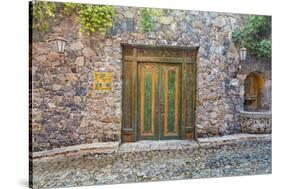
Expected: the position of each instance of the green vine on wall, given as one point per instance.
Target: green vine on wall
(69, 8)
(146, 19)
(147, 15)
(93, 18)
(42, 11)
(255, 35)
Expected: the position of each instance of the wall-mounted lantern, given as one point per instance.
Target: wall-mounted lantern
(60, 44)
(243, 53)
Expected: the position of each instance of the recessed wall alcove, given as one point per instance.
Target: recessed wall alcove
(253, 85)
(256, 117)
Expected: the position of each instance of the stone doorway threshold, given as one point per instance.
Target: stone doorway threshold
(144, 146)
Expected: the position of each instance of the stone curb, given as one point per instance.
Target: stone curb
(145, 146)
(97, 148)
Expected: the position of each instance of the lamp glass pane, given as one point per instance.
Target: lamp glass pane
(63, 46)
(57, 45)
(59, 42)
(243, 54)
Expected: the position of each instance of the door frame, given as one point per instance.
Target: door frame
(186, 56)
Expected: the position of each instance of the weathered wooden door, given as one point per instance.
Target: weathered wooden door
(158, 93)
(170, 101)
(159, 101)
(148, 100)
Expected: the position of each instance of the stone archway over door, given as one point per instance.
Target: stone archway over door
(158, 93)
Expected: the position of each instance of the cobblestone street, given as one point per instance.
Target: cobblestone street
(214, 157)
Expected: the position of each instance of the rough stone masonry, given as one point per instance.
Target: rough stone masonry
(67, 111)
(76, 130)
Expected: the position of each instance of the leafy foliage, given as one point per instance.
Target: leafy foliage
(255, 36)
(146, 19)
(95, 18)
(263, 48)
(147, 15)
(69, 8)
(42, 11)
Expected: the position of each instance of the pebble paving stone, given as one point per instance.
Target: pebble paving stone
(216, 157)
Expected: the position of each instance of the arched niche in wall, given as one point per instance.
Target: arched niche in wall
(254, 82)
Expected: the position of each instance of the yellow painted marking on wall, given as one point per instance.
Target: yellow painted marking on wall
(102, 81)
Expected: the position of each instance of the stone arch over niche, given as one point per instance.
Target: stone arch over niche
(253, 85)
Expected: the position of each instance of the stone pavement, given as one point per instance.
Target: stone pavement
(232, 155)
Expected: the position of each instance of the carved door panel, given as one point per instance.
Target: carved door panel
(148, 101)
(170, 101)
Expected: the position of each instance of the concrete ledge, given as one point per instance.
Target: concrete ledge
(98, 148)
(235, 137)
(264, 114)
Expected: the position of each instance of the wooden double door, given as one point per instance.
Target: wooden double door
(159, 101)
(158, 94)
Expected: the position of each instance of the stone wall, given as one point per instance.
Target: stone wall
(67, 111)
(255, 122)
